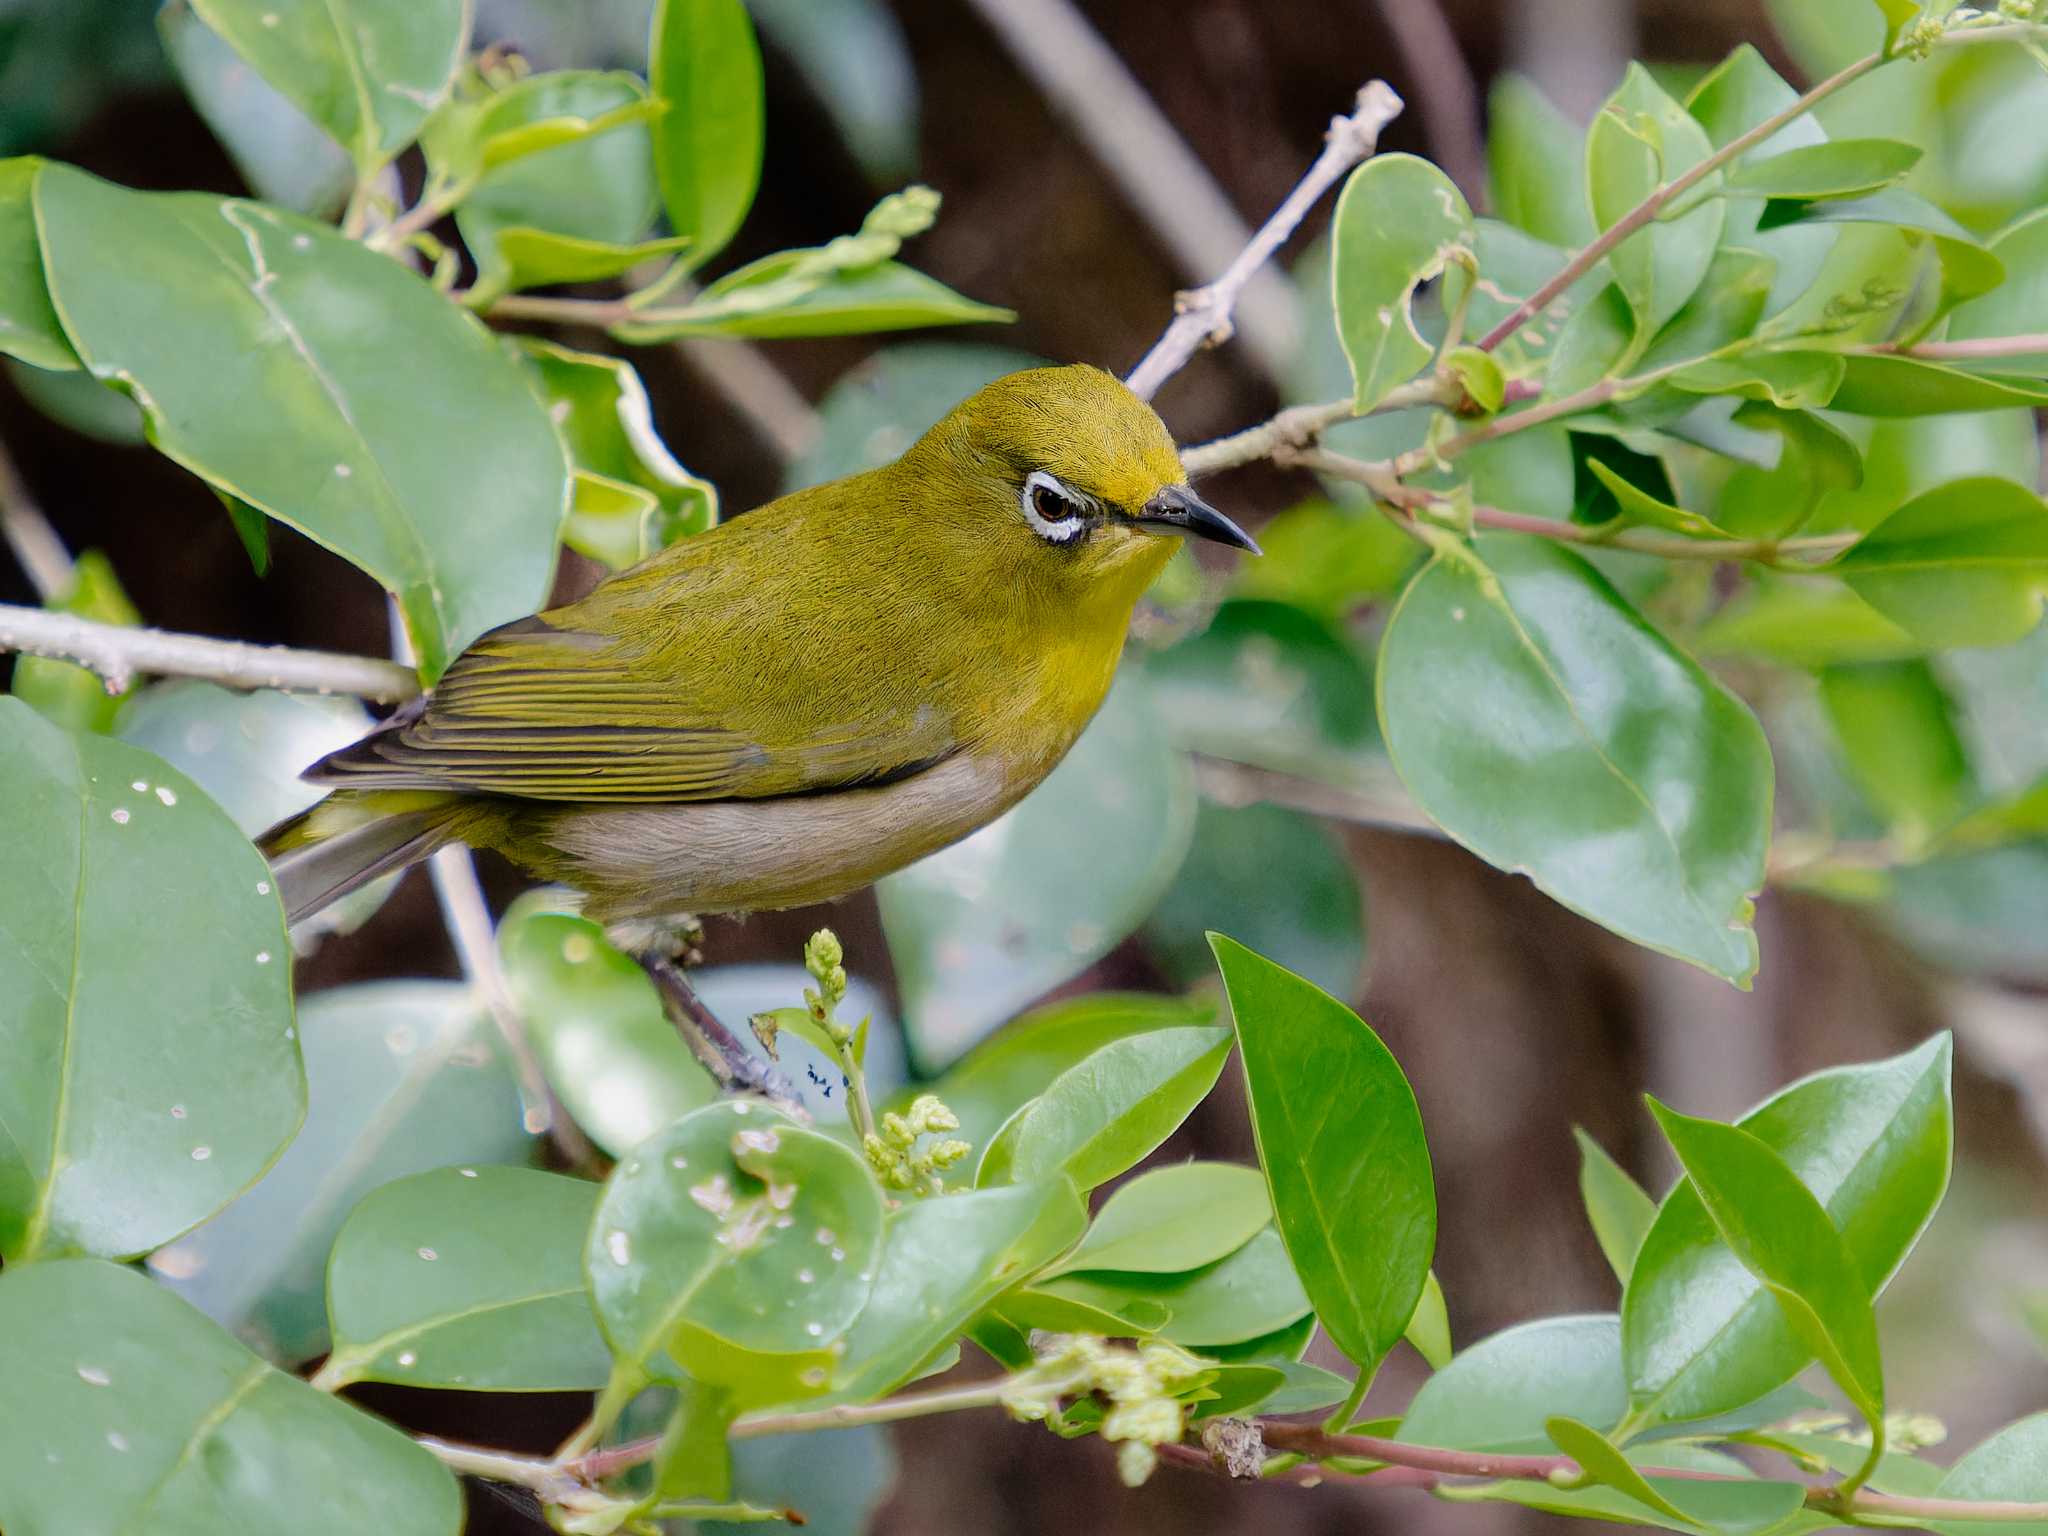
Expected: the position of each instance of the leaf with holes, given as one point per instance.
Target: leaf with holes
(1397, 222)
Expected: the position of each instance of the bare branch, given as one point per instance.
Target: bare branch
(29, 534)
(1205, 316)
(1089, 86)
(118, 653)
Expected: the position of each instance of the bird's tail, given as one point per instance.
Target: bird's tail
(352, 838)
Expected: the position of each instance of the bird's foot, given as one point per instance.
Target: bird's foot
(735, 1068)
(679, 938)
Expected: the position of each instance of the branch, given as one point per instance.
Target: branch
(1203, 317)
(42, 554)
(1648, 209)
(1976, 349)
(1087, 84)
(118, 653)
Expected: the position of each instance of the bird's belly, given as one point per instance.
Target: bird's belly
(652, 861)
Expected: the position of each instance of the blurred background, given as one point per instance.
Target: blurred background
(1095, 157)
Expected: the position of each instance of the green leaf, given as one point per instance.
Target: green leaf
(29, 328)
(578, 205)
(73, 696)
(1078, 863)
(1533, 152)
(1793, 380)
(1839, 168)
(1496, 1394)
(1429, 1329)
(367, 71)
(596, 1026)
(1906, 386)
(1397, 221)
(1340, 1139)
(1965, 564)
(1244, 1295)
(285, 157)
(1966, 267)
(1897, 732)
(705, 66)
(1638, 507)
(1530, 671)
(601, 412)
(1323, 557)
(1640, 140)
(2010, 818)
(732, 1232)
(152, 1069)
(883, 296)
(1106, 1114)
(1722, 313)
(836, 1478)
(187, 300)
(1006, 1072)
(1814, 464)
(694, 1457)
(1732, 1507)
(1898, 15)
(1784, 1236)
(466, 1277)
(1803, 623)
(1693, 1464)
(943, 1260)
(2012, 1464)
(2018, 306)
(1872, 1144)
(1276, 876)
(1075, 1304)
(1736, 96)
(856, 60)
(1616, 1205)
(123, 1409)
(1175, 1218)
(402, 1076)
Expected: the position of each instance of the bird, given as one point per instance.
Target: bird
(809, 696)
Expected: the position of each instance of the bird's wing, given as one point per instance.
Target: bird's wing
(543, 712)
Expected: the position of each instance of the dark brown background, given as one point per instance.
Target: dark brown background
(1513, 1018)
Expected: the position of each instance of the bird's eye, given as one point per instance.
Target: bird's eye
(1056, 514)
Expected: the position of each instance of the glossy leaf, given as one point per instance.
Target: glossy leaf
(1340, 1139)
(1543, 724)
(1897, 732)
(73, 696)
(296, 323)
(1616, 1205)
(1245, 1295)
(943, 1260)
(704, 64)
(1964, 564)
(601, 411)
(1496, 1394)
(152, 1070)
(2012, 1464)
(1276, 876)
(1078, 865)
(1397, 221)
(2019, 305)
(1731, 1507)
(1429, 1328)
(1639, 140)
(1533, 154)
(1014, 1066)
(1794, 380)
(284, 156)
(123, 1409)
(597, 1027)
(1839, 168)
(1815, 461)
(592, 191)
(1804, 623)
(401, 1077)
(367, 71)
(1175, 1218)
(1108, 1112)
(1964, 266)
(1906, 386)
(29, 328)
(1872, 1144)
(1785, 1237)
(466, 1277)
(1729, 1494)
(883, 296)
(1639, 508)
(732, 1230)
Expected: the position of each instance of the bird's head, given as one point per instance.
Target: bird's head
(1073, 478)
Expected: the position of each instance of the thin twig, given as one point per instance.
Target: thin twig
(1444, 86)
(736, 1069)
(1204, 317)
(1648, 209)
(118, 653)
(470, 929)
(1087, 84)
(44, 559)
(1976, 349)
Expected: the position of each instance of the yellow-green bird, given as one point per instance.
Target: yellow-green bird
(788, 707)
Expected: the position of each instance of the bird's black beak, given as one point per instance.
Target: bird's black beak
(1179, 510)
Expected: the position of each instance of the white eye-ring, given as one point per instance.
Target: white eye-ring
(1056, 514)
